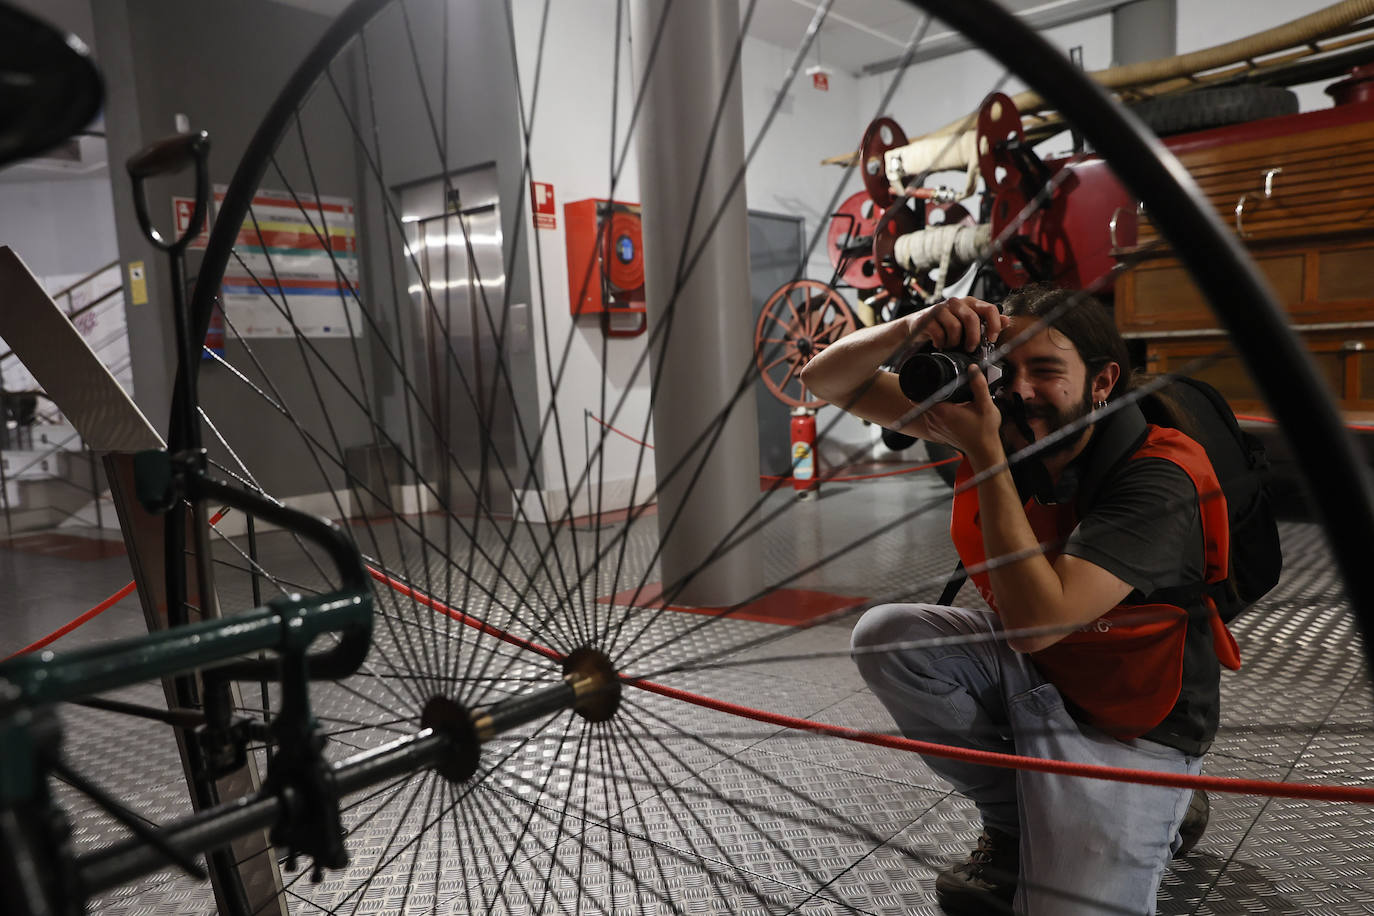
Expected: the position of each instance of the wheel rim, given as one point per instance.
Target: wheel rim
(798, 321)
(579, 757)
(856, 219)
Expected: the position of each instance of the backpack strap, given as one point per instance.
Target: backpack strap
(956, 582)
(1114, 440)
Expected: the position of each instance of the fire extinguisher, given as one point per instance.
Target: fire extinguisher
(805, 477)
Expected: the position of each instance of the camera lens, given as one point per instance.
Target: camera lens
(924, 374)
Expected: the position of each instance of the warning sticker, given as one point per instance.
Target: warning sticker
(541, 198)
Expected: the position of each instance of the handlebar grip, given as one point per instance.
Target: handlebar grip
(169, 156)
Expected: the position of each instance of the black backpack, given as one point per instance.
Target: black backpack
(1242, 467)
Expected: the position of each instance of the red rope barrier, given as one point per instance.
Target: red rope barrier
(66, 628)
(1261, 787)
(479, 625)
(616, 431)
(90, 615)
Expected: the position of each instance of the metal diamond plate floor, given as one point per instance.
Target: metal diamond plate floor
(674, 808)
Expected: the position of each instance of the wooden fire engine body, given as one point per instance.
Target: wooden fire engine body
(1297, 190)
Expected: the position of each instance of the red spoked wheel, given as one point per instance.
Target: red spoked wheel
(1035, 250)
(798, 321)
(999, 123)
(849, 241)
(882, 135)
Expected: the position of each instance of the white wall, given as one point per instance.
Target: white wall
(59, 228)
(63, 231)
(786, 176)
(70, 15)
(569, 148)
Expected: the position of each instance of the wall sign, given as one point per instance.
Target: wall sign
(138, 283)
(298, 258)
(541, 198)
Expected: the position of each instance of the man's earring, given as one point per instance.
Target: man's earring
(1098, 405)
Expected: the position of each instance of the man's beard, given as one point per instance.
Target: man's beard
(1058, 419)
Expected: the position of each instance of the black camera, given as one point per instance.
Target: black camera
(930, 375)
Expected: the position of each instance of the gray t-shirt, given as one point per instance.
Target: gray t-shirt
(1144, 528)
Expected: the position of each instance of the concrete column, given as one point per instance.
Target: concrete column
(705, 336)
(1144, 30)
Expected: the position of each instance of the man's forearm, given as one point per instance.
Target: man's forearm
(840, 370)
(1028, 590)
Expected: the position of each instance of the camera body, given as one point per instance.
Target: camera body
(942, 375)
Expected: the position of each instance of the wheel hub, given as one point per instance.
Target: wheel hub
(594, 682)
(461, 752)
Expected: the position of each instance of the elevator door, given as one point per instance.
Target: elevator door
(460, 307)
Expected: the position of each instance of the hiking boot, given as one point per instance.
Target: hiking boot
(986, 882)
(1194, 823)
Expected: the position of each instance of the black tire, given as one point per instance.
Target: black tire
(1203, 109)
(51, 90)
(1218, 262)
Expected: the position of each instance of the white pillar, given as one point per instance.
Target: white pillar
(705, 349)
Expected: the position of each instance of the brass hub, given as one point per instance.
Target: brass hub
(594, 682)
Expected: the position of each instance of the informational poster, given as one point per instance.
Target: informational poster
(294, 269)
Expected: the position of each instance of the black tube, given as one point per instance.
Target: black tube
(519, 710)
(109, 868)
(408, 755)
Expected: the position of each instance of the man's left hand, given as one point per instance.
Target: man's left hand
(973, 428)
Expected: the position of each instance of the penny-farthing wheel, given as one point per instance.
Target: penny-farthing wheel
(350, 408)
(798, 321)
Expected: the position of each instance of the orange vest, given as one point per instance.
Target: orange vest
(1125, 675)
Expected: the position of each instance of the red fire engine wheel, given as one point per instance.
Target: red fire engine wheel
(998, 122)
(852, 225)
(896, 221)
(1036, 250)
(882, 135)
(798, 321)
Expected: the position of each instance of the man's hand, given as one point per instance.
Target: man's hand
(973, 428)
(848, 373)
(957, 324)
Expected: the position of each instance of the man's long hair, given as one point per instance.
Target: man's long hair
(1087, 324)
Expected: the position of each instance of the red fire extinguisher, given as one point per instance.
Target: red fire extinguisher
(805, 476)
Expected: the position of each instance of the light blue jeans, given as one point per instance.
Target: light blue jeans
(1088, 846)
